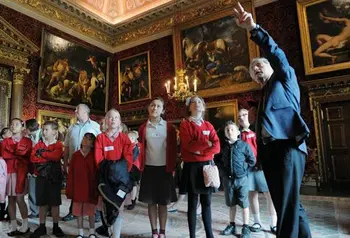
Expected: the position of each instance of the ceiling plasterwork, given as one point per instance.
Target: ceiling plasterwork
(106, 24)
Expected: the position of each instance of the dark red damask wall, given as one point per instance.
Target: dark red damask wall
(279, 19)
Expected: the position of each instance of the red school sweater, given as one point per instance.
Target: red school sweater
(171, 147)
(250, 138)
(121, 147)
(17, 157)
(194, 141)
(53, 152)
(82, 178)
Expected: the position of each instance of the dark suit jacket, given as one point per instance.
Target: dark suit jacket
(281, 114)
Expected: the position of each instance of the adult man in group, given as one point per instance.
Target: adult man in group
(74, 138)
(281, 132)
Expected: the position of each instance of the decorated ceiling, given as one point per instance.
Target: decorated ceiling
(115, 25)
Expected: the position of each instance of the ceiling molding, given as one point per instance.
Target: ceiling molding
(15, 48)
(151, 25)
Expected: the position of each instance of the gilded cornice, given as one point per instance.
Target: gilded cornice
(54, 13)
(170, 21)
(72, 19)
(15, 48)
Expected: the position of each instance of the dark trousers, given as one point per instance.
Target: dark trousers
(205, 200)
(283, 165)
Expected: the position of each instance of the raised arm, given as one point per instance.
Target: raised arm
(334, 19)
(272, 52)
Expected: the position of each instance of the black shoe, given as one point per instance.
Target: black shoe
(256, 227)
(18, 233)
(273, 229)
(103, 231)
(132, 205)
(68, 217)
(229, 230)
(245, 232)
(32, 216)
(57, 231)
(40, 231)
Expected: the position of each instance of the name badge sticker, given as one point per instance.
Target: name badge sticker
(109, 148)
(206, 133)
(121, 193)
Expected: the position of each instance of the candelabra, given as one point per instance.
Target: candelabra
(182, 89)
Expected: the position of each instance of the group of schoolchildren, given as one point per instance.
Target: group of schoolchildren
(105, 161)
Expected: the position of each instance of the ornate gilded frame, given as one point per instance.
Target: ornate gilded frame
(322, 91)
(50, 101)
(310, 69)
(6, 87)
(58, 115)
(221, 104)
(120, 64)
(207, 17)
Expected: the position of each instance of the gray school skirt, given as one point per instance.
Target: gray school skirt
(257, 181)
(157, 186)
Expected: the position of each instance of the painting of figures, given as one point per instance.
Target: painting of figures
(71, 74)
(216, 53)
(134, 78)
(325, 33)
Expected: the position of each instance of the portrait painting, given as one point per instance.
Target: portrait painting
(134, 78)
(71, 74)
(218, 113)
(325, 34)
(216, 53)
(64, 120)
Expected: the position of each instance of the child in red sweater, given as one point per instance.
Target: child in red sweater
(16, 152)
(82, 184)
(199, 143)
(46, 156)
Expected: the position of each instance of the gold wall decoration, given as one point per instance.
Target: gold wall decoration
(5, 96)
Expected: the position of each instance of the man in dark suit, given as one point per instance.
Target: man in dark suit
(281, 132)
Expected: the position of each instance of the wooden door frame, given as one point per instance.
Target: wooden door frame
(322, 91)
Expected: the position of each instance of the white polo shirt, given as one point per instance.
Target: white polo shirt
(76, 133)
(156, 143)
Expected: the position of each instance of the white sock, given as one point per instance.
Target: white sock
(81, 232)
(91, 231)
(273, 220)
(13, 225)
(24, 226)
(257, 218)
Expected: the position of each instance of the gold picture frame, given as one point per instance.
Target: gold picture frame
(64, 120)
(217, 113)
(71, 73)
(134, 78)
(214, 77)
(322, 27)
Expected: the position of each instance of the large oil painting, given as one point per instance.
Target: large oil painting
(134, 78)
(71, 74)
(216, 52)
(325, 33)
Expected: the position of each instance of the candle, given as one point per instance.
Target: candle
(195, 85)
(188, 85)
(166, 87)
(175, 80)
